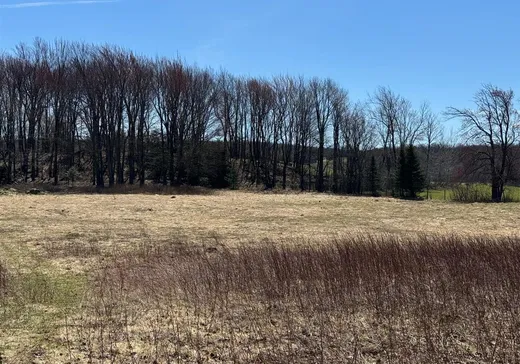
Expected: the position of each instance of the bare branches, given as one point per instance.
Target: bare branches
(324, 95)
(398, 124)
(119, 117)
(493, 124)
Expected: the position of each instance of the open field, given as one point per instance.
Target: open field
(123, 220)
(252, 277)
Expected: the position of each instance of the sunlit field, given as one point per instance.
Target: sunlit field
(222, 276)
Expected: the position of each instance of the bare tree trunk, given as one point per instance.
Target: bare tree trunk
(163, 158)
(335, 161)
(131, 151)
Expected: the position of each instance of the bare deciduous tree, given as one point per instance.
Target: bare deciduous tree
(323, 93)
(67, 107)
(432, 134)
(494, 124)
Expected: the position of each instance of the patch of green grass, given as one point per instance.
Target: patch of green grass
(35, 296)
(36, 304)
(511, 193)
(59, 291)
(437, 194)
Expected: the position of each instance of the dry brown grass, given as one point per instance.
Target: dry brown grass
(124, 220)
(358, 300)
(52, 244)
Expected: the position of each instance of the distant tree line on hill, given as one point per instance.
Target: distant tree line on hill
(70, 110)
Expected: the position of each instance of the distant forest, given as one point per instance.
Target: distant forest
(103, 115)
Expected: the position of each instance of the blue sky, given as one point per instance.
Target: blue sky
(441, 51)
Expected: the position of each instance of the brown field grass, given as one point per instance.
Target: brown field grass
(358, 300)
(62, 301)
(236, 216)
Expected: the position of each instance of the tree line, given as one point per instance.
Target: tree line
(71, 109)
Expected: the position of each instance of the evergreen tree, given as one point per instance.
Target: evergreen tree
(415, 176)
(409, 180)
(373, 178)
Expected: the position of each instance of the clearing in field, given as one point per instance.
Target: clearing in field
(237, 276)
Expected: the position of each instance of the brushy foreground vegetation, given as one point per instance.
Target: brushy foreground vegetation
(359, 300)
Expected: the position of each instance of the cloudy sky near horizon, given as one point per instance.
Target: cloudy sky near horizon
(441, 51)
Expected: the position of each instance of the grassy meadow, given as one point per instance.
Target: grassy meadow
(242, 277)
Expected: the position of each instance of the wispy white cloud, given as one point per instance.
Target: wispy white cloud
(38, 4)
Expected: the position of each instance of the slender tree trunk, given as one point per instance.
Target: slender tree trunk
(320, 182)
(335, 162)
(275, 164)
(141, 151)
(309, 165)
(497, 189)
(284, 175)
(131, 150)
(163, 158)
(98, 155)
(119, 154)
(428, 171)
(171, 168)
(55, 149)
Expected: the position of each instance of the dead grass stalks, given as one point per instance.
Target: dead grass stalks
(426, 299)
(4, 281)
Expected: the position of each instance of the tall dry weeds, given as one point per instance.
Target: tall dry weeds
(3, 280)
(354, 300)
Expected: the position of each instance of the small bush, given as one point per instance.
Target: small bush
(511, 194)
(232, 178)
(470, 193)
(72, 175)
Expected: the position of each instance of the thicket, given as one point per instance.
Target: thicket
(355, 300)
